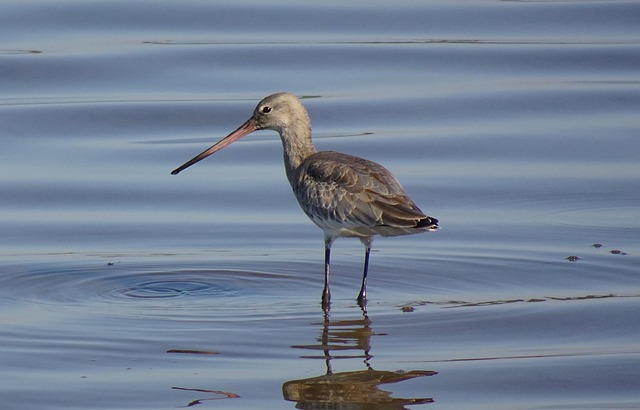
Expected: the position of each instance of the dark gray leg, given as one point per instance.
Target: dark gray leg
(362, 296)
(326, 293)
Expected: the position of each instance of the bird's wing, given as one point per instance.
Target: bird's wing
(353, 192)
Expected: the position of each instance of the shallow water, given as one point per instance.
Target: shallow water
(515, 123)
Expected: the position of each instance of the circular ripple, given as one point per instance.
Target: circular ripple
(108, 283)
(167, 289)
(193, 285)
(608, 218)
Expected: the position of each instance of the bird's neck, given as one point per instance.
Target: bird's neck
(297, 145)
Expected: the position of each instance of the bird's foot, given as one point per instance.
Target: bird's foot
(326, 299)
(362, 300)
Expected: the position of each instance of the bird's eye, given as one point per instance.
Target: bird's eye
(266, 109)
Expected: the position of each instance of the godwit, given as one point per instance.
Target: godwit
(342, 194)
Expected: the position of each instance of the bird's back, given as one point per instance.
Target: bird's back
(349, 196)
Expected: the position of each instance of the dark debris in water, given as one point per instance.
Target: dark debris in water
(221, 395)
(574, 258)
(585, 297)
(617, 252)
(612, 251)
(411, 307)
(191, 351)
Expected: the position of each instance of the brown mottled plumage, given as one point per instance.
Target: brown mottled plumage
(342, 194)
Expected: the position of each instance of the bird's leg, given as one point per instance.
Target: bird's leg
(326, 293)
(362, 296)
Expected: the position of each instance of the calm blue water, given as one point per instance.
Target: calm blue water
(513, 122)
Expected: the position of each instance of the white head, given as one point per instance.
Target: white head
(281, 112)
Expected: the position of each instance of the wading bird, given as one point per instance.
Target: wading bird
(345, 196)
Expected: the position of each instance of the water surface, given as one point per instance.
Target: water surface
(123, 287)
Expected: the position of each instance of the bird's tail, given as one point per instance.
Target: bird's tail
(428, 223)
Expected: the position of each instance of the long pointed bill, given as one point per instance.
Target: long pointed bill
(246, 128)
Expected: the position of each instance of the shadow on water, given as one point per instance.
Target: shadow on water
(350, 390)
(217, 395)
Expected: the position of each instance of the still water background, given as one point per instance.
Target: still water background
(513, 122)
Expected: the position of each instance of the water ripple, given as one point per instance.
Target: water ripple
(167, 289)
(611, 217)
(95, 285)
(20, 52)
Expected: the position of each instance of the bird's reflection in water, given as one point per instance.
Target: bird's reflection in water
(352, 390)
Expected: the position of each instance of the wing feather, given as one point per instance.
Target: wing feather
(340, 191)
